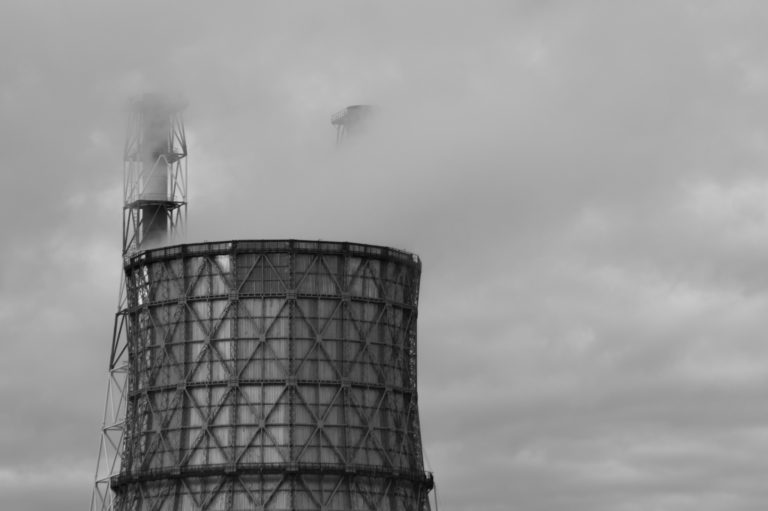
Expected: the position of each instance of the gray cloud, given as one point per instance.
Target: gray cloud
(583, 181)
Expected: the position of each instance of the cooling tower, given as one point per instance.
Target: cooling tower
(272, 375)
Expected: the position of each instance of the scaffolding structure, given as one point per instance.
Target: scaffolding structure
(154, 212)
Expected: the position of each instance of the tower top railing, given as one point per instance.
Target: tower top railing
(351, 114)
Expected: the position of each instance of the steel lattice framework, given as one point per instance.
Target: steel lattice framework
(350, 120)
(272, 375)
(154, 211)
(155, 173)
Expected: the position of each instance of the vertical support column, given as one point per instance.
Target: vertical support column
(291, 475)
(234, 378)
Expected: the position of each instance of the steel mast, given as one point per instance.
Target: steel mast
(155, 173)
(154, 213)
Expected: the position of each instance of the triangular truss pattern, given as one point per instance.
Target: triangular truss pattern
(154, 212)
(111, 440)
(273, 375)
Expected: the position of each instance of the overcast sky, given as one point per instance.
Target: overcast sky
(585, 182)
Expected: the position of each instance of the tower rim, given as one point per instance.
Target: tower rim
(275, 245)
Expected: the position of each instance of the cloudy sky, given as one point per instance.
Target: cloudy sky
(585, 182)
